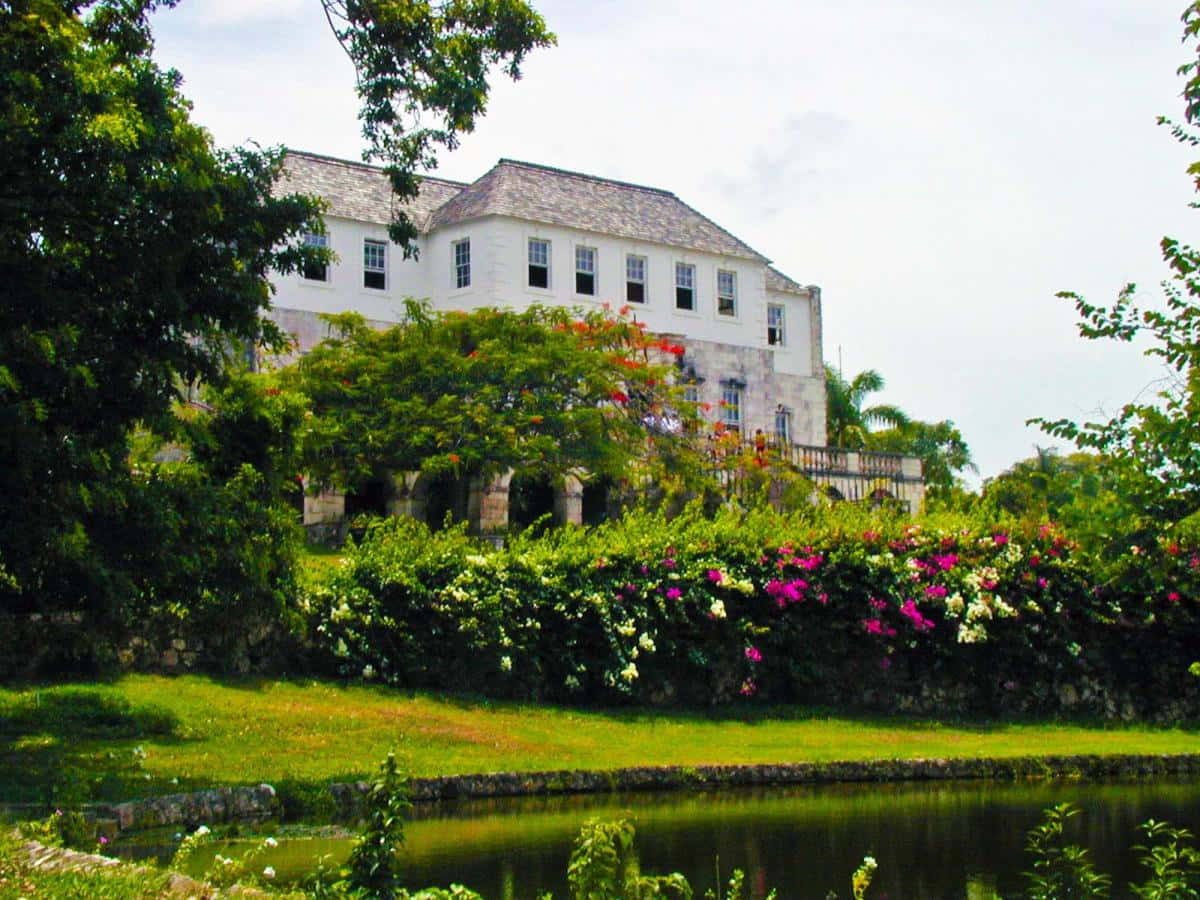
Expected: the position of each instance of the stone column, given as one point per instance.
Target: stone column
(568, 501)
(324, 508)
(404, 500)
(487, 504)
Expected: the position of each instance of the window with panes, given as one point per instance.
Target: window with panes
(731, 406)
(539, 263)
(726, 293)
(315, 271)
(585, 271)
(775, 331)
(462, 263)
(685, 286)
(635, 279)
(374, 264)
(783, 426)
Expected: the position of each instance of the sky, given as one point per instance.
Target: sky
(939, 168)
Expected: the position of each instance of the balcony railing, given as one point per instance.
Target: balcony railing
(839, 473)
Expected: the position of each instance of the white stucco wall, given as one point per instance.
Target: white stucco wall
(720, 347)
(344, 291)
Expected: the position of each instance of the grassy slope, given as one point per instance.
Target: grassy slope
(197, 731)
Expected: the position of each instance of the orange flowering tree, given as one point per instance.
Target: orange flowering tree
(546, 389)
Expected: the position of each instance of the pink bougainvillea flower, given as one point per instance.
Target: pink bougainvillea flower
(1174, 597)
(909, 610)
(1042, 582)
(753, 654)
(823, 599)
(715, 576)
(668, 563)
(674, 593)
(946, 562)
(873, 626)
(1000, 539)
(935, 592)
(786, 592)
(876, 603)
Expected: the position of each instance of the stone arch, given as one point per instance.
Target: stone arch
(371, 498)
(597, 500)
(436, 496)
(532, 495)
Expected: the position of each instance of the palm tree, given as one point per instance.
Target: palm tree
(847, 421)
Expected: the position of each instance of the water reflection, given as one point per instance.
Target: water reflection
(945, 839)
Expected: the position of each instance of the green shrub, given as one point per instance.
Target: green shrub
(952, 614)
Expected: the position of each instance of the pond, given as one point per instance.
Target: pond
(944, 839)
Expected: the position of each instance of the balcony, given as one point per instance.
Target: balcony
(838, 474)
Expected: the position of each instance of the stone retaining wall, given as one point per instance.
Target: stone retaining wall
(249, 804)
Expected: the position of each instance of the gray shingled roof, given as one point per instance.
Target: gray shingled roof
(777, 281)
(525, 191)
(558, 197)
(358, 191)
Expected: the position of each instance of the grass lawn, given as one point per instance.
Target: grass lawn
(147, 734)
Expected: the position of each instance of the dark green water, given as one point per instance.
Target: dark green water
(955, 839)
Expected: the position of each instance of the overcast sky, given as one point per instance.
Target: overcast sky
(940, 168)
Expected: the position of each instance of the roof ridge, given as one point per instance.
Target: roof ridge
(581, 175)
(358, 164)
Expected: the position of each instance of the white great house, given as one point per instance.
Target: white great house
(524, 234)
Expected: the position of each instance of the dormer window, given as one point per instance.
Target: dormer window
(375, 264)
(539, 263)
(685, 286)
(585, 271)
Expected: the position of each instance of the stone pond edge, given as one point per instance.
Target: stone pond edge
(258, 803)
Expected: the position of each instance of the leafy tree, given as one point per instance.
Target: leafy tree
(847, 421)
(940, 446)
(1151, 446)
(419, 61)
(485, 392)
(134, 255)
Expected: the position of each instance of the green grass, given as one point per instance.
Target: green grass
(146, 734)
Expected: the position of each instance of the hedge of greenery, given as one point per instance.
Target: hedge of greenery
(844, 608)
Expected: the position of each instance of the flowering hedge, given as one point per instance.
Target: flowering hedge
(841, 608)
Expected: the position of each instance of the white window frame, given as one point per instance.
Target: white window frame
(777, 329)
(727, 295)
(639, 262)
(732, 397)
(461, 263)
(530, 263)
(312, 239)
(585, 257)
(685, 279)
(375, 245)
